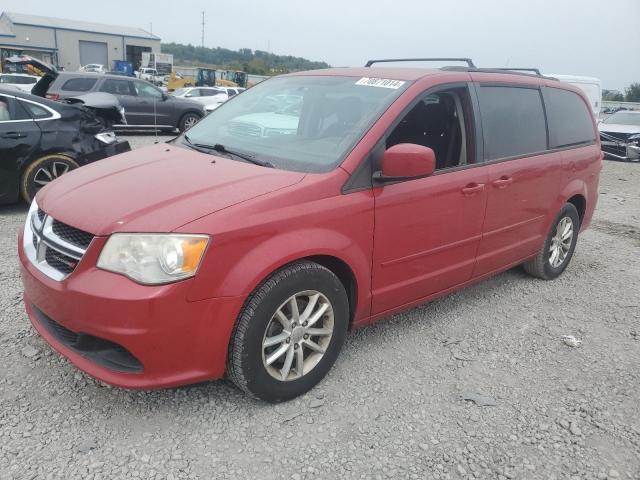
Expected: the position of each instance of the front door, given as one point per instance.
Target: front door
(427, 230)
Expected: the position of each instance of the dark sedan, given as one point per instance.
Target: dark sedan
(41, 139)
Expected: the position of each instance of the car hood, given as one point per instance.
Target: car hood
(155, 189)
(618, 128)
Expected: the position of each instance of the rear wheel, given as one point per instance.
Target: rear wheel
(559, 246)
(289, 332)
(43, 171)
(188, 120)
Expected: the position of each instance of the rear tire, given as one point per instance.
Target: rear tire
(558, 248)
(188, 120)
(42, 171)
(289, 333)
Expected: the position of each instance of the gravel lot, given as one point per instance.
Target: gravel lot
(392, 406)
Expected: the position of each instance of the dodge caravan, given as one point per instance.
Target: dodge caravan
(248, 250)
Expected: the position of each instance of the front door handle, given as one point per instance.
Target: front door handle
(502, 182)
(473, 188)
(13, 135)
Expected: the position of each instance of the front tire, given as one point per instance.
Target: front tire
(559, 246)
(43, 171)
(289, 332)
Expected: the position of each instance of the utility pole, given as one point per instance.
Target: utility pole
(202, 29)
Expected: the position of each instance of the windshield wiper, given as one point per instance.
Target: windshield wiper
(205, 148)
(199, 147)
(222, 149)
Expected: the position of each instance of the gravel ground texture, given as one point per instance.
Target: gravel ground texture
(479, 384)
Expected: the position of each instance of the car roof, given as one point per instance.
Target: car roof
(395, 73)
(413, 74)
(96, 75)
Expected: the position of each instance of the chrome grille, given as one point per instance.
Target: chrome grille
(244, 129)
(72, 234)
(52, 246)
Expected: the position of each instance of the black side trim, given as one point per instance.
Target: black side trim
(107, 354)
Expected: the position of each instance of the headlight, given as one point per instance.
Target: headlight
(153, 258)
(106, 137)
(635, 138)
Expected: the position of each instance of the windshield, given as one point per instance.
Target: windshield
(624, 118)
(178, 92)
(301, 123)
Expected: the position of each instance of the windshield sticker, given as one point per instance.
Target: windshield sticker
(380, 82)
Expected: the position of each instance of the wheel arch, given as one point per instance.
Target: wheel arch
(343, 271)
(576, 193)
(580, 202)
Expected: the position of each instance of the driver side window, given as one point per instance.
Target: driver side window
(441, 121)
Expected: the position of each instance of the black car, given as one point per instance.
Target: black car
(146, 106)
(41, 139)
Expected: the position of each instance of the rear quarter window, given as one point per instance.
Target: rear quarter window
(37, 112)
(570, 120)
(513, 121)
(79, 84)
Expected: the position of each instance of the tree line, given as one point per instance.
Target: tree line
(631, 94)
(257, 62)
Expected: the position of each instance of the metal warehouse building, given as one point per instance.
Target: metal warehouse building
(70, 44)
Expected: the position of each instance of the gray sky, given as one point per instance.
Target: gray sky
(581, 37)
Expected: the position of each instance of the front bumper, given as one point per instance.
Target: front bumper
(618, 148)
(126, 334)
(105, 151)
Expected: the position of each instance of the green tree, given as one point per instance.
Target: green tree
(612, 96)
(632, 93)
(251, 61)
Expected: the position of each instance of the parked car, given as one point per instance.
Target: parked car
(93, 68)
(204, 95)
(252, 255)
(620, 135)
(151, 75)
(19, 80)
(41, 139)
(146, 106)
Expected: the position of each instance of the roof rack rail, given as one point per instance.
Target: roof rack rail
(468, 61)
(529, 72)
(534, 70)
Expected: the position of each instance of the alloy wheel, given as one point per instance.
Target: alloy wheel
(48, 173)
(561, 242)
(297, 336)
(190, 121)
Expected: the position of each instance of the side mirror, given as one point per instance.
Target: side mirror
(405, 161)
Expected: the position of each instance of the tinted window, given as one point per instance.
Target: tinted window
(231, 92)
(209, 92)
(569, 118)
(79, 84)
(36, 111)
(17, 79)
(513, 121)
(116, 87)
(5, 112)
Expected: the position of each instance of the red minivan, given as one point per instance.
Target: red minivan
(312, 203)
